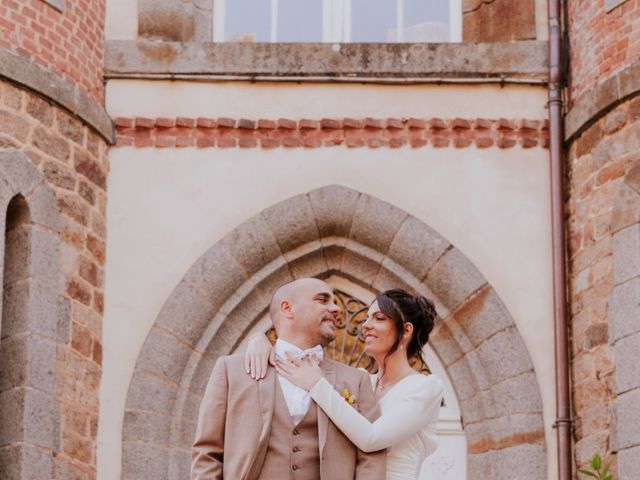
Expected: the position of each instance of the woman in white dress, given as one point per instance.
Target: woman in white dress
(397, 328)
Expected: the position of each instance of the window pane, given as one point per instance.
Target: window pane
(299, 21)
(373, 20)
(426, 21)
(247, 21)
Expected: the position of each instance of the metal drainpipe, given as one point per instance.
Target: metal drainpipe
(563, 422)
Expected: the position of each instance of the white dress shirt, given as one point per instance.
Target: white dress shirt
(297, 399)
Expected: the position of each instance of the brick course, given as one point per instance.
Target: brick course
(602, 43)
(327, 132)
(69, 43)
(73, 158)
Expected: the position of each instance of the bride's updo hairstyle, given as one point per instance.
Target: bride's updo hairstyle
(402, 307)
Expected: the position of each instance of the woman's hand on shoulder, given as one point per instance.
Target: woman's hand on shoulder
(258, 356)
(303, 374)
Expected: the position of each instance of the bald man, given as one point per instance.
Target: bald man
(271, 429)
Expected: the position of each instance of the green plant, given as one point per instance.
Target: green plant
(597, 470)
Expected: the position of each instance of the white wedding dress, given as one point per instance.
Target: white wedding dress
(406, 426)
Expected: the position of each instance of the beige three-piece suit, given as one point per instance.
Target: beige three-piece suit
(245, 431)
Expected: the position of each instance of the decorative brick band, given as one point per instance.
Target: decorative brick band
(327, 132)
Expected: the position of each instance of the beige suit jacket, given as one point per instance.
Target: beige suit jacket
(234, 425)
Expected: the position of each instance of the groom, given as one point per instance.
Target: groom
(271, 429)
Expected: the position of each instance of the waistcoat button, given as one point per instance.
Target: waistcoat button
(295, 467)
(296, 449)
(296, 432)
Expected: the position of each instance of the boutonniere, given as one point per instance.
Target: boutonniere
(350, 399)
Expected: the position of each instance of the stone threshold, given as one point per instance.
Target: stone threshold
(225, 132)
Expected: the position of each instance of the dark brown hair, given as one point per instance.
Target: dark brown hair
(402, 307)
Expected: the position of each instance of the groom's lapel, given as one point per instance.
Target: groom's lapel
(266, 399)
(328, 369)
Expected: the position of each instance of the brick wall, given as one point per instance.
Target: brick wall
(69, 43)
(601, 43)
(73, 159)
(598, 162)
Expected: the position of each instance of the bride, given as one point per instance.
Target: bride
(397, 328)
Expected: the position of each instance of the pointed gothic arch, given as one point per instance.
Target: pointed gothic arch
(335, 230)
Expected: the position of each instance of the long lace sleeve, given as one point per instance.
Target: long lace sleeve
(418, 408)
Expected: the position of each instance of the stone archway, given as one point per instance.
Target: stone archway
(29, 322)
(374, 244)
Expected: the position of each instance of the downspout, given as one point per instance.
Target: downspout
(563, 423)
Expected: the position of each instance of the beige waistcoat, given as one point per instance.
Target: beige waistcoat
(293, 452)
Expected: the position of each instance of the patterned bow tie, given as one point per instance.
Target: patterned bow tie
(317, 351)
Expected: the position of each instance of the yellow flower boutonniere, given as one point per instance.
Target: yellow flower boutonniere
(350, 399)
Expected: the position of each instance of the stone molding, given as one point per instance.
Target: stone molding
(30, 419)
(334, 231)
(28, 74)
(604, 97)
(624, 329)
(523, 62)
(369, 132)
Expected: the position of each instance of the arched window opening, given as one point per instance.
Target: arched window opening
(15, 266)
(338, 21)
(12, 364)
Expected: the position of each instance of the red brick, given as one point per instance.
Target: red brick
(124, 122)
(484, 142)
(96, 353)
(373, 123)
(330, 123)
(440, 141)
(185, 122)
(529, 124)
(269, 142)
(306, 124)
(437, 124)
(505, 124)
(79, 292)
(123, 141)
(416, 123)
(247, 142)
(505, 142)
(482, 124)
(352, 123)
(529, 142)
(206, 142)
(165, 141)
(397, 142)
(461, 142)
(418, 142)
(143, 142)
(97, 248)
(185, 141)
(203, 122)
(227, 142)
(286, 124)
(460, 124)
(376, 142)
(266, 124)
(292, 142)
(246, 124)
(354, 142)
(312, 142)
(165, 122)
(226, 122)
(395, 123)
(143, 122)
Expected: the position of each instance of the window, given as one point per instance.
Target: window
(337, 21)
